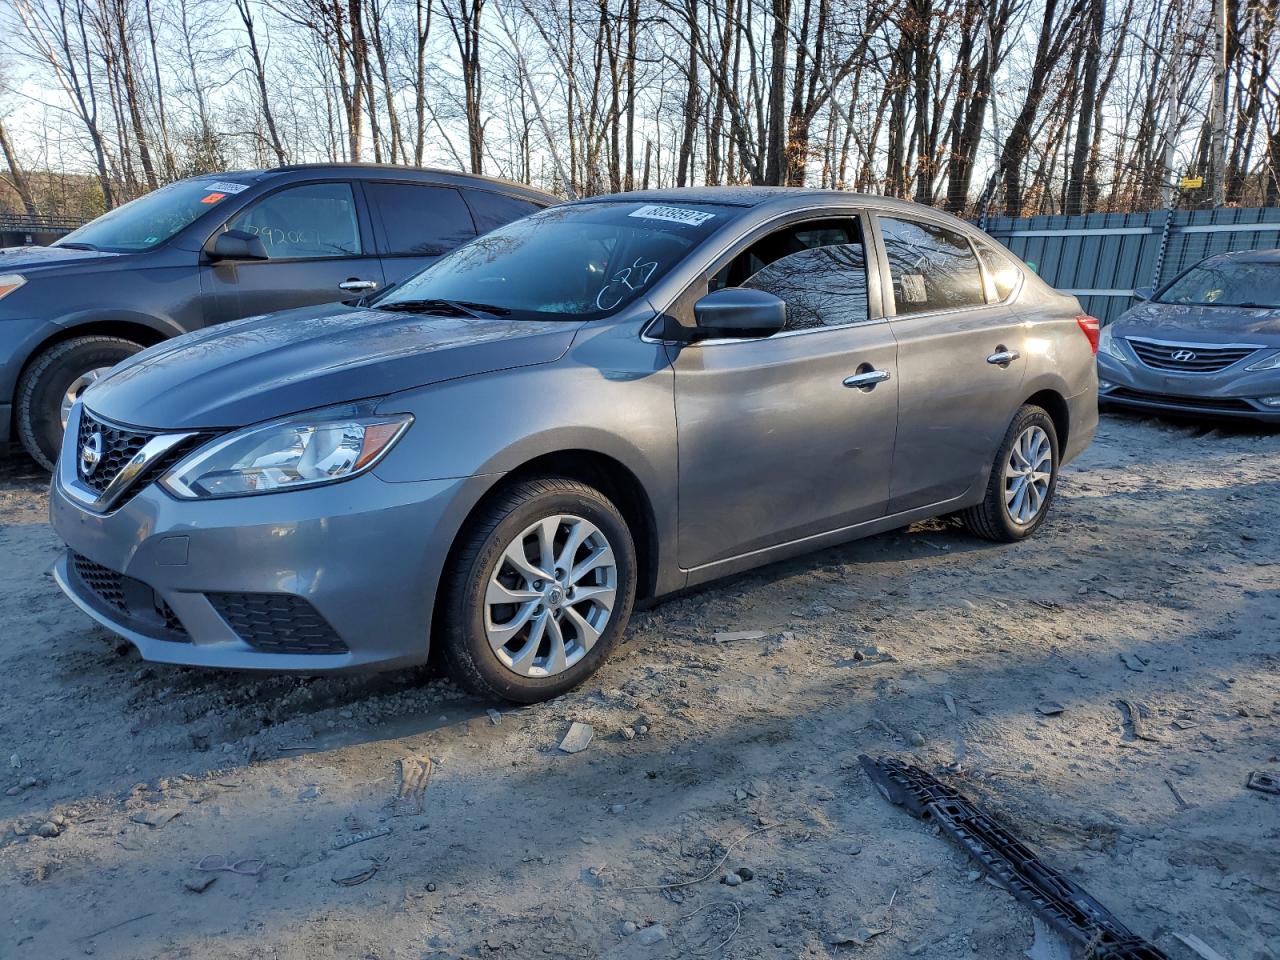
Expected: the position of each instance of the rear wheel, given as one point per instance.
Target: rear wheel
(539, 590)
(54, 381)
(1023, 480)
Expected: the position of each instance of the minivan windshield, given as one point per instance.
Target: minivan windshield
(1227, 283)
(154, 217)
(581, 261)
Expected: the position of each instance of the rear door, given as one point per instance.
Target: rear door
(961, 359)
(320, 246)
(776, 442)
(416, 223)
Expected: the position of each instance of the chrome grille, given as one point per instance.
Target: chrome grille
(119, 446)
(1188, 357)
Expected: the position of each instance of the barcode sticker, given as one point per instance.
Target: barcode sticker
(691, 218)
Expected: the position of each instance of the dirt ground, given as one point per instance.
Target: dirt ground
(1156, 581)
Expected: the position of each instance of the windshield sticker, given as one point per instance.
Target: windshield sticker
(913, 288)
(227, 187)
(214, 198)
(692, 218)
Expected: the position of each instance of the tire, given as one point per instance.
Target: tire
(993, 518)
(470, 615)
(47, 380)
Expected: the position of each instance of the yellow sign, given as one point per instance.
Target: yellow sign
(1191, 183)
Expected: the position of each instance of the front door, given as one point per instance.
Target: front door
(777, 439)
(319, 254)
(960, 361)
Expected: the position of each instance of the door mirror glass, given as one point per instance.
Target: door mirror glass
(738, 312)
(1143, 293)
(238, 245)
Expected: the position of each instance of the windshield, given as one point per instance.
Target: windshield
(153, 218)
(583, 261)
(1227, 283)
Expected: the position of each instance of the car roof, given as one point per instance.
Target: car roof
(389, 171)
(776, 198)
(1245, 256)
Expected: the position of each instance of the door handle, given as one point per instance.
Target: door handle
(1003, 357)
(867, 379)
(355, 285)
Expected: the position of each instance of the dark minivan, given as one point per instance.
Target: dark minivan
(216, 248)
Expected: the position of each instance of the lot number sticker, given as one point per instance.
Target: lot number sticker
(227, 187)
(692, 218)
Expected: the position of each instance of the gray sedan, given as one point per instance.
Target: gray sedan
(1207, 343)
(603, 403)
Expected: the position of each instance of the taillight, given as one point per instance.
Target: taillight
(1091, 329)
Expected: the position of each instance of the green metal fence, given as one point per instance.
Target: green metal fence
(1102, 257)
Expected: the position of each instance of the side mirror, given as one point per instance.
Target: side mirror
(238, 245)
(739, 312)
(1143, 293)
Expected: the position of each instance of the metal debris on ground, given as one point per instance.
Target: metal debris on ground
(415, 776)
(1049, 708)
(349, 875)
(1134, 662)
(494, 716)
(1051, 895)
(155, 818)
(360, 837)
(1182, 804)
(1263, 782)
(246, 867)
(578, 738)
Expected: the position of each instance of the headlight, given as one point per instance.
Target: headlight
(1267, 363)
(301, 451)
(10, 282)
(1107, 344)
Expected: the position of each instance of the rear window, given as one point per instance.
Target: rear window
(492, 210)
(420, 220)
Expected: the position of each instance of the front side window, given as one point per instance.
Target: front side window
(420, 220)
(818, 269)
(152, 219)
(311, 221)
(1226, 283)
(581, 261)
(932, 268)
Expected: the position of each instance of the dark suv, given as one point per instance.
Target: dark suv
(216, 248)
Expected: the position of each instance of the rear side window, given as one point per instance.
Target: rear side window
(492, 210)
(306, 222)
(1004, 275)
(420, 220)
(932, 268)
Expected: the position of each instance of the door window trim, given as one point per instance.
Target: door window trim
(733, 247)
(380, 228)
(363, 224)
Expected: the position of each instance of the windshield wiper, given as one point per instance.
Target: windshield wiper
(77, 245)
(457, 308)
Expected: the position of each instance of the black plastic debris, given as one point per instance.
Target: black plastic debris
(1061, 903)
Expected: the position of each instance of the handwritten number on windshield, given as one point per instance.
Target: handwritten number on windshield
(627, 280)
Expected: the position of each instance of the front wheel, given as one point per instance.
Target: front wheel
(54, 381)
(539, 589)
(1023, 480)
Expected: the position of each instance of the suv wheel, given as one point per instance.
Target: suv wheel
(1023, 479)
(539, 590)
(53, 381)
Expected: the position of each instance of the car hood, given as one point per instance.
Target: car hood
(13, 259)
(1201, 324)
(270, 366)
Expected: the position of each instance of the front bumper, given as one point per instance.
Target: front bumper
(1230, 393)
(364, 556)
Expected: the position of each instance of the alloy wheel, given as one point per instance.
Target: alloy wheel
(1027, 475)
(78, 386)
(550, 596)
